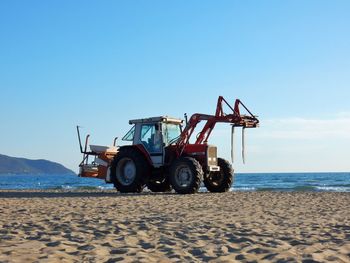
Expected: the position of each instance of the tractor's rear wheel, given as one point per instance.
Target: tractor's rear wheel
(159, 185)
(129, 171)
(186, 174)
(222, 180)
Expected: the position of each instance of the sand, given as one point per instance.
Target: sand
(105, 226)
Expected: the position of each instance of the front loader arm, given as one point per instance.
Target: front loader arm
(234, 118)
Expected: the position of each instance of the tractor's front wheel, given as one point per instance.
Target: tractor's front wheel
(129, 171)
(222, 180)
(186, 174)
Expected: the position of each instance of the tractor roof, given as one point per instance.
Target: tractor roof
(165, 119)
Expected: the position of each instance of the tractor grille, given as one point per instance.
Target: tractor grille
(212, 156)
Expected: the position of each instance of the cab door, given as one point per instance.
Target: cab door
(151, 138)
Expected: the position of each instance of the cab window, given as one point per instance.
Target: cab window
(171, 133)
(130, 135)
(151, 138)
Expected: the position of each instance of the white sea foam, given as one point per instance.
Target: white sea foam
(333, 188)
(242, 189)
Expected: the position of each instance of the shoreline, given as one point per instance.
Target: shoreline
(99, 189)
(318, 182)
(106, 226)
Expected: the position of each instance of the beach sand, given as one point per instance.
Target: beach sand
(105, 226)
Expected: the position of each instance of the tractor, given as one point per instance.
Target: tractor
(161, 156)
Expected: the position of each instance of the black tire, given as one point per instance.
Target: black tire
(130, 171)
(159, 185)
(189, 167)
(221, 181)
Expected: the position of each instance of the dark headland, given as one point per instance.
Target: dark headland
(14, 165)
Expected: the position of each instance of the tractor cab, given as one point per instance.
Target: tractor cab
(153, 135)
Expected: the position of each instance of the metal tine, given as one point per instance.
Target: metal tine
(243, 144)
(232, 143)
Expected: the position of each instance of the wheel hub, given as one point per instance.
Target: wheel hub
(183, 176)
(129, 170)
(216, 178)
(126, 171)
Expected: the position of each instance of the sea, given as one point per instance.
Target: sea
(316, 182)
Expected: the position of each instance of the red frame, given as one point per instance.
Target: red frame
(234, 118)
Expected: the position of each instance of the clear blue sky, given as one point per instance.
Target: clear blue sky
(101, 63)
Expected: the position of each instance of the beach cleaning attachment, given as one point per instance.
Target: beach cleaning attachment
(101, 155)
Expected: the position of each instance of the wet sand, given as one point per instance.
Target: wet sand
(105, 226)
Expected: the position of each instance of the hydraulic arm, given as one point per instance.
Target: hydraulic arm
(235, 118)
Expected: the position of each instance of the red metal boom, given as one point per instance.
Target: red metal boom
(234, 118)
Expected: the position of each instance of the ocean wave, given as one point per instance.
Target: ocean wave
(306, 188)
(243, 189)
(333, 188)
(313, 182)
(81, 187)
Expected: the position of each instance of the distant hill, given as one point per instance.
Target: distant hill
(25, 166)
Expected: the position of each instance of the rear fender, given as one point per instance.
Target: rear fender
(142, 150)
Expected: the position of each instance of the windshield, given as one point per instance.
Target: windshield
(172, 133)
(130, 135)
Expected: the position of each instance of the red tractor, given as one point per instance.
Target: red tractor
(161, 156)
